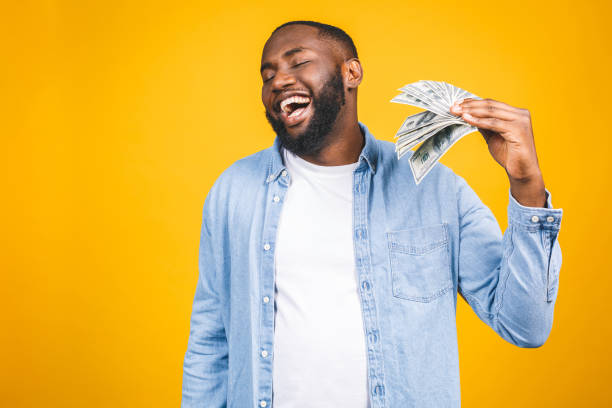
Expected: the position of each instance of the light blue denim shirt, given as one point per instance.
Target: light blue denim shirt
(415, 247)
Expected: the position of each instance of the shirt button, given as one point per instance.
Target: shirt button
(266, 247)
(266, 299)
(276, 199)
(550, 218)
(535, 218)
(264, 353)
(262, 403)
(283, 173)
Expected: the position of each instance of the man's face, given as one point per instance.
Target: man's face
(303, 88)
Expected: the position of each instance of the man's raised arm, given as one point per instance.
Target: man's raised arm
(511, 283)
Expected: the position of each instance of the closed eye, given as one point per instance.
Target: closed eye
(296, 65)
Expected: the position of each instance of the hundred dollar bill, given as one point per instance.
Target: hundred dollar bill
(413, 125)
(424, 159)
(421, 135)
(427, 94)
(436, 129)
(418, 120)
(416, 101)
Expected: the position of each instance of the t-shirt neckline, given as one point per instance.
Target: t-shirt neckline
(316, 168)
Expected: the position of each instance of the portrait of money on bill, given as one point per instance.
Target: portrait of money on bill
(435, 129)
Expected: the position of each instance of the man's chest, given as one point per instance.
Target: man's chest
(315, 227)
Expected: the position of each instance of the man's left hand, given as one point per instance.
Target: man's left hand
(509, 135)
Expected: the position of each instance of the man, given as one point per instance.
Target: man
(328, 278)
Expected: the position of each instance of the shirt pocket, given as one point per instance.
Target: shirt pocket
(420, 262)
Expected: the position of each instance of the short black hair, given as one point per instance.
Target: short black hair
(327, 31)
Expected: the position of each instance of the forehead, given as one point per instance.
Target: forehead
(294, 36)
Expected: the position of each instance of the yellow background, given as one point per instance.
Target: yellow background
(117, 116)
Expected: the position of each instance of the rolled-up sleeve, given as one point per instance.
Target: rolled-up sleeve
(510, 281)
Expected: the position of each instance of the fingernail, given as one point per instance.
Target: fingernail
(459, 101)
(468, 116)
(456, 107)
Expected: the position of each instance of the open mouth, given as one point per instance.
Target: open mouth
(295, 109)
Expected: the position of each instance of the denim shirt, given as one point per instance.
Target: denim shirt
(416, 247)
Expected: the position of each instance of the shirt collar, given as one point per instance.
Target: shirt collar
(369, 154)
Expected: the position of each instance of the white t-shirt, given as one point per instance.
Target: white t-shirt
(319, 340)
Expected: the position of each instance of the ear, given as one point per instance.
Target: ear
(352, 72)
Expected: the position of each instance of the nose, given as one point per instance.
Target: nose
(282, 79)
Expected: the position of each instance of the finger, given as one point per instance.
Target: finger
(497, 125)
(455, 109)
(478, 106)
(485, 112)
(489, 104)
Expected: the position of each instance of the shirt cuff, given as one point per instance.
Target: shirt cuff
(535, 218)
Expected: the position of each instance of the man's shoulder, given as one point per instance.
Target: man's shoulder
(247, 171)
(254, 165)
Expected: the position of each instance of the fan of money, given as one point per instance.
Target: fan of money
(436, 128)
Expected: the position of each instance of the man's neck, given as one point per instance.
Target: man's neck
(345, 144)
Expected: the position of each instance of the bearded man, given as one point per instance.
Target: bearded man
(328, 278)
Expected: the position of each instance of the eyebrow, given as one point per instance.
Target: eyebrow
(285, 55)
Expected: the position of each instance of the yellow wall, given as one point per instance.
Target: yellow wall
(117, 116)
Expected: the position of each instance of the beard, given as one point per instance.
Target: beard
(326, 107)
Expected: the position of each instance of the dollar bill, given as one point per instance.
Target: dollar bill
(420, 135)
(428, 95)
(414, 100)
(424, 159)
(435, 129)
(419, 120)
